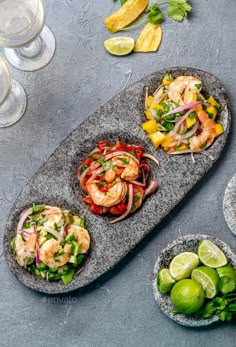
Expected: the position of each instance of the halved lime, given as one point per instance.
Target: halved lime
(208, 278)
(187, 296)
(183, 264)
(165, 281)
(119, 45)
(211, 255)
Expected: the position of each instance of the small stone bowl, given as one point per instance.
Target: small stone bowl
(187, 243)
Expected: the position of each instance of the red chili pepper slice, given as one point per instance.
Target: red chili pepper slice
(102, 145)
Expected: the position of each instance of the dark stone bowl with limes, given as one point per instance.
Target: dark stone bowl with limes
(168, 290)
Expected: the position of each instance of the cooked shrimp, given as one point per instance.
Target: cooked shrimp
(48, 252)
(208, 132)
(54, 215)
(180, 84)
(113, 196)
(81, 236)
(25, 250)
(138, 197)
(131, 170)
(110, 175)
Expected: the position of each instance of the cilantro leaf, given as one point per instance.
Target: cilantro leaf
(154, 14)
(226, 285)
(107, 165)
(38, 208)
(178, 9)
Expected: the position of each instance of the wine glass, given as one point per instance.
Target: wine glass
(30, 44)
(12, 97)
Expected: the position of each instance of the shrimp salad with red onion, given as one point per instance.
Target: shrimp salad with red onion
(116, 179)
(50, 242)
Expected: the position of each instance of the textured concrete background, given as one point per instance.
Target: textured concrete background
(119, 310)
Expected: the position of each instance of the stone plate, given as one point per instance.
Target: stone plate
(229, 204)
(187, 243)
(56, 183)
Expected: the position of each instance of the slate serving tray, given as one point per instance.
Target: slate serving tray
(55, 182)
(188, 243)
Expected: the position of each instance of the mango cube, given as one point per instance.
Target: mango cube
(150, 126)
(156, 138)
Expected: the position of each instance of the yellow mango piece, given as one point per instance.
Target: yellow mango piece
(167, 79)
(182, 147)
(148, 114)
(156, 138)
(125, 15)
(219, 129)
(190, 122)
(212, 111)
(190, 97)
(150, 126)
(149, 39)
(158, 107)
(213, 101)
(167, 141)
(149, 101)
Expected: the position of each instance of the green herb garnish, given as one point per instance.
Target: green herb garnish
(38, 208)
(83, 168)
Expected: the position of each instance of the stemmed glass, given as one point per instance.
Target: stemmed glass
(12, 97)
(30, 44)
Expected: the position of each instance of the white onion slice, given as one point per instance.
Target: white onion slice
(54, 233)
(151, 188)
(150, 156)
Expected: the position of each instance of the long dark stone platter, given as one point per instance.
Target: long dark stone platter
(55, 182)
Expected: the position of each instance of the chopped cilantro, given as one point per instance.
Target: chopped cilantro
(38, 208)
(83, 168)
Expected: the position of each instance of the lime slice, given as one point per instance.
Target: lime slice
(183, 264)
(119, 45)
(165, 281)
(208, 278)
(211, 255)
(187, 296)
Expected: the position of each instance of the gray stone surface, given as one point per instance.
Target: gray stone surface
(120, 309)
(56, 183)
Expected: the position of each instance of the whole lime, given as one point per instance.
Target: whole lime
(187, 296)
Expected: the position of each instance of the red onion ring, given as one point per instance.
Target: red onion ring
(129, 206)
(188, 134)
(37, 246)
(180, 121)
(23, 216)
(149, 156)
(184, 107)
(95, 174)
(151, 188)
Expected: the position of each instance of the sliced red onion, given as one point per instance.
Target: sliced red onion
(37, 246)
(180, 121)
(120, 153)
(184, 107)
(138, 183)
(24, 215)
(129, 206)
(150, 156)
(151, 188)
(188, 134)
(53, 232)
(95, 174)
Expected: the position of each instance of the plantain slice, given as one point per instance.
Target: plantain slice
(125, 15)
(149, 39)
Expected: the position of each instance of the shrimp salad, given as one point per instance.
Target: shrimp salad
(115, 178)
(51, 243)
(180, 118)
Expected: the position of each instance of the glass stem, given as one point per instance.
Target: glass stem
(8, 104)
(31, 51)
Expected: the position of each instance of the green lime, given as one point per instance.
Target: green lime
(165, 281)
(227, 271)
(119, 45)
(208, 278)
(183, 264)
(187, 296)
(211, 255)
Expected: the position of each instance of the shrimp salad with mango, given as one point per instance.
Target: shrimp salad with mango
(51, 243)
(179, 116)
(115, 178)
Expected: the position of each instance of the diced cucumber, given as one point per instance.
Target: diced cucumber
(73, 259)
(68, 277)
(77, 249)
(70, 237)
(79, 221)
(62, 270)
(41, 267)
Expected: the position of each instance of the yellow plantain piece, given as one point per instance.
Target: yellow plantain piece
(125, 15)
(149, 39)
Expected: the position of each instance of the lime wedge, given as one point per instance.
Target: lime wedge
(165, 281)
(119, 45)
(211, 255)
(208, 278)
(183, 264)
